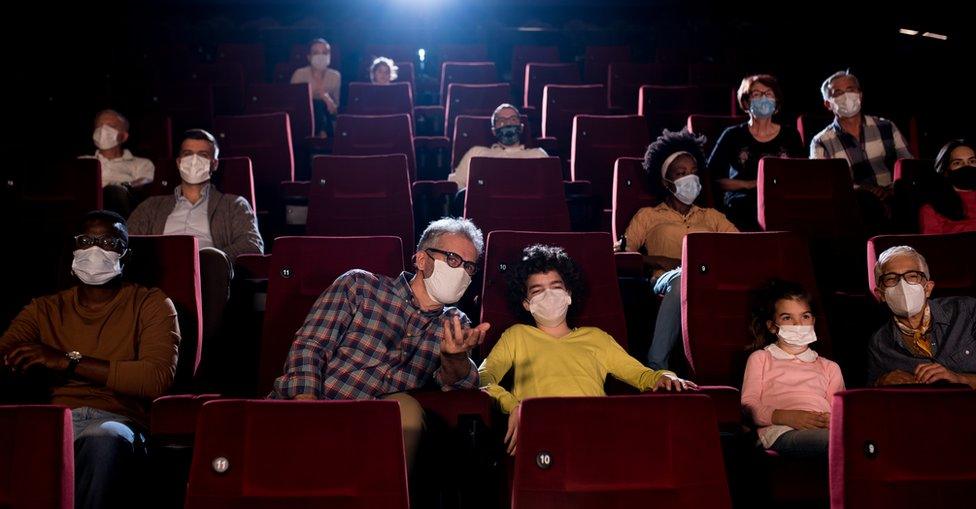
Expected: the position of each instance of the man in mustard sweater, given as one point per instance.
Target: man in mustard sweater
(551, 358)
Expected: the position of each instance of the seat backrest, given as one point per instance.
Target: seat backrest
(630, 192)
(516, 194)
(598, 140)
(266, 140)
(538, 75)
(716, 290)
(874, 462)
(375, 135)
(522, 55)
(301, 269)
(361, 195)
(948, 257)
(475, 100)
(624, 80)
(37, 467)
(809, 124)
(172, 264)
(659, 451)
(561, 103)
(294, 99)
(470, 131)
(814, 197)
(152, 136)
(370, 99)
(668, 107)
(227, 80)
(352, 455)
(236, 176)
(190, 104)
(470, 73)
(712, 126)
(596, 59)
(913, 170)
(592, 251)
(250, 56)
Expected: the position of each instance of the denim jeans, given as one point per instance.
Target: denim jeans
(803, 443)
(106, 448)
(667, 329)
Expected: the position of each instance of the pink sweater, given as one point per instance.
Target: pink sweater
(786, 384)
(931, 222)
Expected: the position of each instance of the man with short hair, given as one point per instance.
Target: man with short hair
(506, 125)
(122, 172)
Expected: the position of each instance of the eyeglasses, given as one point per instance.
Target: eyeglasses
(454, 260)
(912, 277)
(104, 242)
(756, 94)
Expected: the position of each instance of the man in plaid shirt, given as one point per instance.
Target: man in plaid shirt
(371, 336)
(871, 145)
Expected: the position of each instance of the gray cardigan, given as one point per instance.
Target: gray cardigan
(233, 225)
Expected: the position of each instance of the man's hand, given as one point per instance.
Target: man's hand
(511, 436)
(801, 419)
(24, 357)
(456, 339)
(671, 382)
(931, 372)
(897, 377)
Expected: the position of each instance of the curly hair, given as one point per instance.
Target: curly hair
(764, 301)
(538, 259)
(660, 149)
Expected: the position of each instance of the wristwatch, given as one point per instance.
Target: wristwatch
(74, 357)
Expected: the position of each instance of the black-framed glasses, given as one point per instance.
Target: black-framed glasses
(454, 260)
(105, 242)
(912, 277)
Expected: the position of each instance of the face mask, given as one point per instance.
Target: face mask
(106, 137)
(95, 266)
(764, 107)
(321, 62)
(847, 105)
(194, 169)
(446, 284)
(686, 189)
(963, 178)
(797, 335)
(905, 300)
(509, 135)
(549, 307)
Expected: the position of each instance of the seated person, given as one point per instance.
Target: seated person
(950, 197)
(672, 164)
(735, 158)
(325, 83)
(122, 172)
(507, 127)
(371, 336)
(788, 387)
(927, 340)
(546, 291)
(382, 71)
(107, 348)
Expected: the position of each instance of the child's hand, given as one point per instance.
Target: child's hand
(670, 382)
(801, 419)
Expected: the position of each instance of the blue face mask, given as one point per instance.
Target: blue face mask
(763, 107)
(509, 135)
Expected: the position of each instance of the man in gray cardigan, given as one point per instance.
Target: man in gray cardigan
(224, 224)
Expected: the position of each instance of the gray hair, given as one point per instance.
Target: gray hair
(499, 110)
(893, 252)
(122, 119)
(451, 226)
(825, 87)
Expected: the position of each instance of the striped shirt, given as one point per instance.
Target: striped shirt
(366, 337)
(871, 159)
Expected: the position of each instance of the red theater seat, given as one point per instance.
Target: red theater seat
(630, 193)
(374, 135)
(538, 75)
(470, 131)
(596, 60)
(624, 80)
(266, 140)
(37, 465)
(597, 143)
(467, 73)
(295, 100)
(522, 55)
(561, 104)
(712, 127)
(813, 197)
(370, 99)
(668, 107)
(516, 194)
(473, 100)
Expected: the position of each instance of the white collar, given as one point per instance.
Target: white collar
(808, 355)
(126, 156)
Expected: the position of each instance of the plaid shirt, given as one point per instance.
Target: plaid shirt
(366, 337)
(872, 158)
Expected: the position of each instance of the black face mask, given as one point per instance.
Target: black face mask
(963, 178)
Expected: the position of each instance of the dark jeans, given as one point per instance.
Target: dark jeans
(107, 447)
(667, 329)
(803, 443)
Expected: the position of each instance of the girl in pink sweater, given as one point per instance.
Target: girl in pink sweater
(787, 386)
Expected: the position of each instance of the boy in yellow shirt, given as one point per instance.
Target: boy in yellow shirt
(549, 357)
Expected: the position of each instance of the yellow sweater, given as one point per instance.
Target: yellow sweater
(574, 365)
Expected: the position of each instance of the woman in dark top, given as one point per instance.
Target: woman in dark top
(738, 151)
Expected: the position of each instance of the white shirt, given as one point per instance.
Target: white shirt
(191, 218)
(498, 150)
(123, 170)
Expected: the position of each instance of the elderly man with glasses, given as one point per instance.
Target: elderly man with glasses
(927, 340)
(370, 336)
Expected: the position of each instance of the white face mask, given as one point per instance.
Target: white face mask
(847, 105)
(95, 266)
(194, 169)
(905, 300)
(686, 189)
(321, 62)
(549, 307)
(446, 284)
(797, 335)
(106, 137)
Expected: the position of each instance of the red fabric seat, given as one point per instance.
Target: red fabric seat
(374, 135)
(596, 60)
(538, 75)
(37, 465)
(295, 100)
(620, 451)
(467, 73)
(516, 194)
(470, 131)
(227, 80)
(811, 196)
(597, 143)
(945, 255)
(913, 169)
(351, 455)
(809, 124)
(630, 193)
(712, 127)
(474, 100)
(189, 104)
(370, 99)
(624, 80)
(561, 103)
(249, 56)
(668, 107)
(523, 54)
(266, 140)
